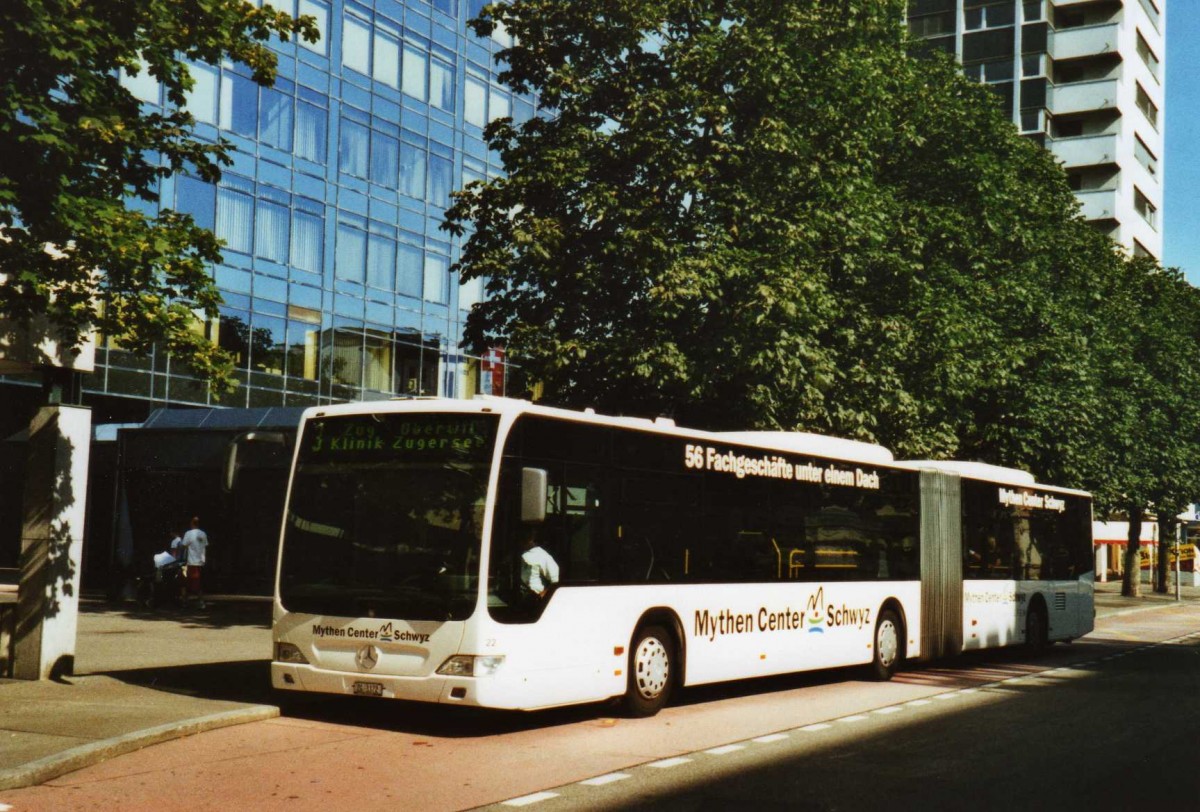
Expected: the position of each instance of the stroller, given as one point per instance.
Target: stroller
(163, 586)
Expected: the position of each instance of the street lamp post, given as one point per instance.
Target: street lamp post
(1178, 549)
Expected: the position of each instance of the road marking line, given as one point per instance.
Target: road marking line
(815, 728)
(944, 696)
(846, 720)
(601, 780)
(892, 709)
(773, 737)
(725, 750)
(667, 763)
(535, 798)
(916, 703)
(969, 691)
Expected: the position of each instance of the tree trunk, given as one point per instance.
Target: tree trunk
(1167, 528)
(1131, 586)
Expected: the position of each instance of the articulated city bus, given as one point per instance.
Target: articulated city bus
(680, 557)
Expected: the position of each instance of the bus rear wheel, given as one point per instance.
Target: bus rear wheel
(651, 664)
(889, 646)
(1037, 636)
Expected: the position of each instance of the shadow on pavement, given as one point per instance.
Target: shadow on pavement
(237, 681)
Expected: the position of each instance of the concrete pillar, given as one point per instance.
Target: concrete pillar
(52, 542)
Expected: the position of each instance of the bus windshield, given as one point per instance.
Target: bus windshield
(385, 516)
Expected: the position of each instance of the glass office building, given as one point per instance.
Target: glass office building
(335, 278)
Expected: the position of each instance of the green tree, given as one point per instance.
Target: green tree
(76, 148)
(638, 254)
(747, 213)
(1151, 422)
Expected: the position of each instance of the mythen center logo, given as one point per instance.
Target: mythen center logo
(815, 612)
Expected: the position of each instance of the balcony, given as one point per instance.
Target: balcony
(1153, 14)
(1085, 150)
(1090, 40)
(1082, 97)
(1098, 205)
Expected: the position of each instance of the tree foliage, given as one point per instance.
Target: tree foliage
(76, 147)
(750, 213)
(1151, 421)
(777, 215)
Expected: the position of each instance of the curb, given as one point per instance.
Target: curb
(1135, 609)
(85, 755)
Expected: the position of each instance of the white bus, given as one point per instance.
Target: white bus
(684, 557)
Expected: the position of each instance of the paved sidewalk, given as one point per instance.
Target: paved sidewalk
(147, 677)
(1109, 600)
(141, 678)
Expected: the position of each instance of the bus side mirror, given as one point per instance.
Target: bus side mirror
(533, 495)
(229, 480)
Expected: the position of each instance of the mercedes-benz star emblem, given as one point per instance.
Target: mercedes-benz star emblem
(367, 657)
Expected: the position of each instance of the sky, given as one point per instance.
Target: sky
(1181, 154)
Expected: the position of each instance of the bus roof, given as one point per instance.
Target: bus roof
(990, 473)
(803, 442)
(797, 442)
(979, 470)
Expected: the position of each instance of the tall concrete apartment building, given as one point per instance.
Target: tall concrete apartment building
(1085, 79)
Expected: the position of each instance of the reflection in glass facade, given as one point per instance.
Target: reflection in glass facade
(336, 279)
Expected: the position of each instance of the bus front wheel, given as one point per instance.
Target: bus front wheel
(651, 660)
(889, 645)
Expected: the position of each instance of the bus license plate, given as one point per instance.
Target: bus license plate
(367, 688)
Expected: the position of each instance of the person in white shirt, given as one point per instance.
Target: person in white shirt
(539, 570)
(179, 552)
(195, 542)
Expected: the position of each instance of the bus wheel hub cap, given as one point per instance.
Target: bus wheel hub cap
(652, 665)
(888, 644)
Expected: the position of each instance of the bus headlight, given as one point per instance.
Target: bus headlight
(471, 665)
(288, 653)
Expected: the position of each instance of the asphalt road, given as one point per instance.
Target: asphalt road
(1100, 724)
(1116, 731)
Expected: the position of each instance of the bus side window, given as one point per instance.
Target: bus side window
(633, 561)
(655, 526)
(582, 523)
(760, 555)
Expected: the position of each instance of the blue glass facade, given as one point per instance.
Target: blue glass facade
(336, 276)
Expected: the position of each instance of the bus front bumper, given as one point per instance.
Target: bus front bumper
(434, 688)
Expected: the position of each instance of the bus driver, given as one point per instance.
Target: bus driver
(539, 570)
